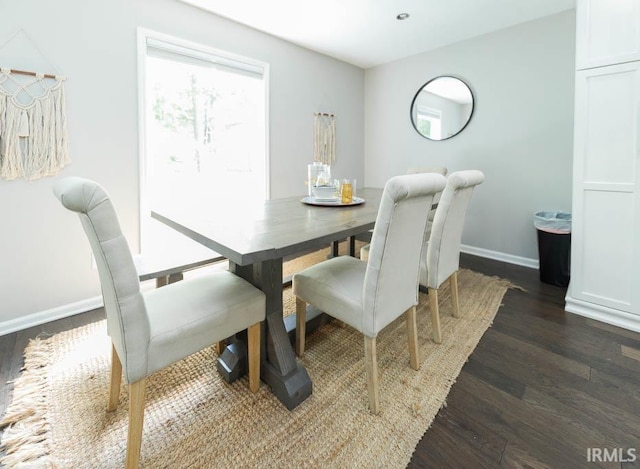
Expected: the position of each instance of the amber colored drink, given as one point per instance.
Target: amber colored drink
(347, 193)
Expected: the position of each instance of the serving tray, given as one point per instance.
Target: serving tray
(330, 202)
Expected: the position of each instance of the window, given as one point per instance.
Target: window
(429, 122)
(204, 125)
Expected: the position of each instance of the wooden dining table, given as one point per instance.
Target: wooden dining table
(255, 236)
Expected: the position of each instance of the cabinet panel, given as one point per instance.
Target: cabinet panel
(609, 97)
(608, 32)
(605, 217)
(606, 249)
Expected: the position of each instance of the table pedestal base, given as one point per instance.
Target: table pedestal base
(232, 363)
(288, 379)
(292, 388)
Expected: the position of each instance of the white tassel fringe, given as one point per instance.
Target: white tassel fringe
(324, 146)
(33, 138)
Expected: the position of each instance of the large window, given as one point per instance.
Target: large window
(204, 128)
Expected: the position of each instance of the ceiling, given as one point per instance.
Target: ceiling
(366, 33)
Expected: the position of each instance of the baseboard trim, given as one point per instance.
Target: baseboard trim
(42, 317)
(83, 306)
(501, 256)
(604, 314)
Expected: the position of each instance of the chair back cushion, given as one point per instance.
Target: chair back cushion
(430, 169)
(391, 278)
(443, 252)
(127, 322)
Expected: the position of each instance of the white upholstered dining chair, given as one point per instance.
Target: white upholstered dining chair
(430, 169)
(151, 330)
(442, 249)
(368, 296)
(364, 250)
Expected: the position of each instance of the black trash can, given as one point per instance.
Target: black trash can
(554, 246)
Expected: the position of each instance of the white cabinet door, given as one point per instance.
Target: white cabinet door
(607, 32)
(606, 212)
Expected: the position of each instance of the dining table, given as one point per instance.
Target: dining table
(256, 236)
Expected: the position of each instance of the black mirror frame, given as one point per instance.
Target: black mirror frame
(473, 107)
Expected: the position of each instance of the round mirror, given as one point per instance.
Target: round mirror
(442, 108)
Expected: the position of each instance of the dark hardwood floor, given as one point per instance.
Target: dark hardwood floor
(543, 388)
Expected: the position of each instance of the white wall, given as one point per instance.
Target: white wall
(46, 264)
(520, 135)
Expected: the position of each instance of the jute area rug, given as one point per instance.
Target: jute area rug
(194, 419)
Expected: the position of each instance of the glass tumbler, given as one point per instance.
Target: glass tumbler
(347, 190)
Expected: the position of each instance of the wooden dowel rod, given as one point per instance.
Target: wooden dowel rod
(33, 74)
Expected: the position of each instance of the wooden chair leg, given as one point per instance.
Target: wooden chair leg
(136, 418)
(253, 336)
(435, 315)
(364, 253)
(115, 380)
(453, 283)
(162, 281)
(371, 367)
(413, 337)
(301, 326)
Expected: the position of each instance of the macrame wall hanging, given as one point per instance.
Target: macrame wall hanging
(33, 129)
(324, 148)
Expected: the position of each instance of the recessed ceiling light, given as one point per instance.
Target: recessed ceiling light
(402, 16)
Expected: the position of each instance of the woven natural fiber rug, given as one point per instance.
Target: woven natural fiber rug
(195, 419)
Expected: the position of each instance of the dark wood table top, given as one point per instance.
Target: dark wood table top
(246, 232)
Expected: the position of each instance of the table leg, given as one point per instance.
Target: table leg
(336, 244)
(288, 379)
